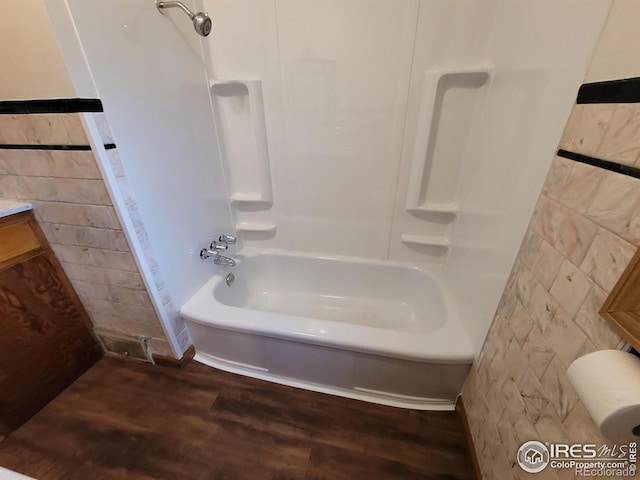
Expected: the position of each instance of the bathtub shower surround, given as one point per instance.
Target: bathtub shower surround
(46, 159)
(585, 230)
(332, 129)
(387, 106)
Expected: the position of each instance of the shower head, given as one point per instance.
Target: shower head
(201, 21)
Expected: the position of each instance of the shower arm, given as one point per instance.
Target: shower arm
(180, 5)
(201, 21)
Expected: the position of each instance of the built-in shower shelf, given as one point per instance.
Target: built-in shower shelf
(242, 128)
(250, 198)
(448, 207)
(449, 112)
(255, 227)
(426, 241)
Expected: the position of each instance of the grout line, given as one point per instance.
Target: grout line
(93, 282)
(36, 200)
(102, 269)
(113, 312)
(58, 244)
(52, 202)
(94, 179)
(110, 301)
(93, 247)
(49, 177)
(82, 226)
(41, 221)
(29, 199)
(105, 284)
(99, 266)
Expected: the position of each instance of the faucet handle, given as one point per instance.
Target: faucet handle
(227, 239)
(218, 246)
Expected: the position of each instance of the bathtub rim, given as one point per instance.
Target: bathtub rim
(448, 344)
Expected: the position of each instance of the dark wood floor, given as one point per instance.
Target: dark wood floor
(125, 420)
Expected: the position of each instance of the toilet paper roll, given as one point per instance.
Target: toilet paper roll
(608, 383)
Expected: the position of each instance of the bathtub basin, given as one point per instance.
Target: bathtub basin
(370, 330)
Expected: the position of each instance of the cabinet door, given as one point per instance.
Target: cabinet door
(44, 343)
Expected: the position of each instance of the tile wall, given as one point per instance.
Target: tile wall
(76, 214)
(584, 231)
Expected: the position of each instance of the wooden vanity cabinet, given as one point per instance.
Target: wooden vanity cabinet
(45, 333)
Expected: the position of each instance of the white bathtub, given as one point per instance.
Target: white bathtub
(377, 331)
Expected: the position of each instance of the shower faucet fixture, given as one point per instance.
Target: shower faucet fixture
(227, 239)
(210, 254)
(223, 242)
(218, 246)
(215, 247)
(201, 21)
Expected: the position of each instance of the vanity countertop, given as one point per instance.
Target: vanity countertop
(9, 207)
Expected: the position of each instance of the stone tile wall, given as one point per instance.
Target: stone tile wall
(76, 214)
(584, 231)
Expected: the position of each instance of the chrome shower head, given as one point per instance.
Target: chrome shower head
(201, 21)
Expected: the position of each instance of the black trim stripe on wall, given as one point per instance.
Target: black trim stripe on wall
(626, 90)
(61, 105)
(9, 146)
(597, 162)
(33, 146)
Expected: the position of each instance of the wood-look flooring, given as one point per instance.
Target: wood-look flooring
(126, 420)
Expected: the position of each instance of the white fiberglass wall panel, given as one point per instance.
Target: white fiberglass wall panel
(345, 69)
(451, 68)
(151, 77)
(334, 77)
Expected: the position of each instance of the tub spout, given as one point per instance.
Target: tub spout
(218, 259)
(222, 260)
